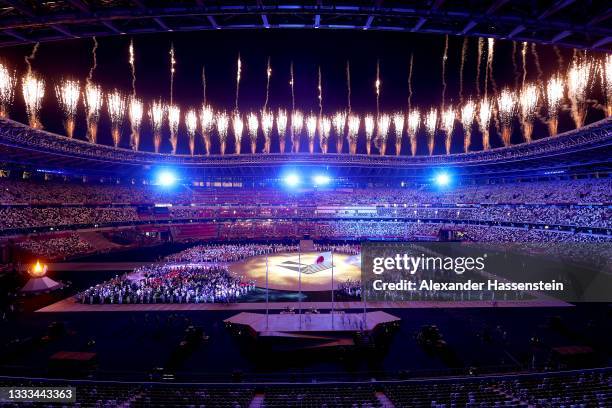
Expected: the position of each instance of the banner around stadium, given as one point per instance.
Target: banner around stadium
(466, 271)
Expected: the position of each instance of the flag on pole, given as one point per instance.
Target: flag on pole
(322, 262)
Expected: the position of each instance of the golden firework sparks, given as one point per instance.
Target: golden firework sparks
(7, 90)
(115, 103)
(67, 93)
(33, 89)
(135, 113)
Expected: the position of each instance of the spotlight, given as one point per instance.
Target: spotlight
(321, 180)
(166, 178)
(292, 180)
(442, 179)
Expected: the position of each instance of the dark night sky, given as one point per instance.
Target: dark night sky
(308, 49)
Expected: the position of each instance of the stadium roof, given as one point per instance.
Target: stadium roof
(570, 23)
(589, 147)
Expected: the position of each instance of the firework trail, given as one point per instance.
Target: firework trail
(267, 123)
(324, 131)
(464, 50)
(524, 61)
(377, 87)
(536, 60)
(410, 82)
(204, 84)
(339, 122)
(468, 111)
(515, 70)
(191, 124)
(431, 122)
(281, 127)
(67, 93)
(368, 122)
(33, 89)
(353, 123)
(490, 60)
(506, 106)
(485, 112)
(253, 126)
(31, 57)
(320, 88)
(292, 83)
(115, 103)
(268, 75)
(444, 59)
(132, 61)
(172, 71)
(222, 121)
(174, 118)
(297, 122)
(559, 56)
(554, 96)
(238, 127)
(238, 75)
(528, 104)
(384, 122)
(414, 120)
(135, 113)
(311, 131)
(447, 123)
(93, 103)
(478, 63)
(578, 81)
(398, 125)
(207, 120)
(7, 90)
(94, 64)
(156, 116)
(607, 77)
(348, 85)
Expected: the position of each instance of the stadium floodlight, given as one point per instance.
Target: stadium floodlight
(166, 178)
(321, 180)
(442, 179)
(292, 180)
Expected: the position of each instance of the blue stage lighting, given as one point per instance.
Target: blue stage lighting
(292, 180)
(321, 180)
(166, 178)
(442, 179)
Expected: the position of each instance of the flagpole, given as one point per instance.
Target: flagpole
(363, 296)
(300, 283)
(267, 300)
(332, 287)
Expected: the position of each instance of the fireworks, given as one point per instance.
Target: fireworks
(528, 103)
(468, 112)
(414, 120)
(353, 123)
(484, 118)
(297, 122)
(311, 130)
(339, 123)
(398, 124)
(447, 123)
(506, 105)
(325, 125)
(135, 112)
(207, 120)
(281, 127)
(7, 90)
(554, 96)
(578, 79)
(191, 123)
(33, 89)
(238, 127)
(431, 122)
(384, 121)
(93, 104)
(174, 118)
(68, 97)
(156, 115)
(607, 74)
(368, 122)
(238, 74)
(222, 121)
(253, 126)
(267, 122)
(115, 103)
